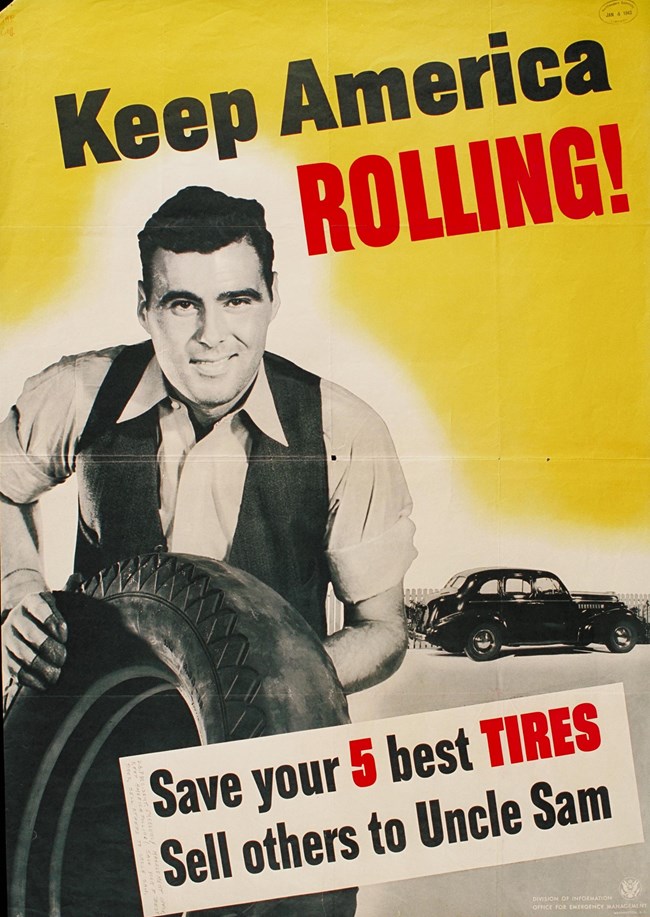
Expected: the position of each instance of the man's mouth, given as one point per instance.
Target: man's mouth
(212, 366)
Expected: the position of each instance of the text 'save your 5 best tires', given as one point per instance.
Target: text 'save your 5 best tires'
(164, 651)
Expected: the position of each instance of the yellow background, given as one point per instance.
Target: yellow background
(530, 345)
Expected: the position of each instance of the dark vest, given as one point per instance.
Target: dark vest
(280, 531)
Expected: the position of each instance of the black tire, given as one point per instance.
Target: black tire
(163, 651)
(484, 643)
(622, 636)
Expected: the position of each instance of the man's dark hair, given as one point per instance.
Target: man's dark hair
(204, 220)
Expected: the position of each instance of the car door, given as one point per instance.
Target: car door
(520, 612)
(482, 600)
(557, 610)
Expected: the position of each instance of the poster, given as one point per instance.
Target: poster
(465, 249)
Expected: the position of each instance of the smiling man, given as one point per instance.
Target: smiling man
(207, 315)
(199, 441)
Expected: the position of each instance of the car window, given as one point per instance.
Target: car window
(490, 587)
(518, 585)
(454, 583)
(548, 584)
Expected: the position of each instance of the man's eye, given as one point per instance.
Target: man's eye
(182, 306)
(238, 301)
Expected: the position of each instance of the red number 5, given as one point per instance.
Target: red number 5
(364, 769)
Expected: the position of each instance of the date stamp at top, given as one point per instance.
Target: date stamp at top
(615, 12)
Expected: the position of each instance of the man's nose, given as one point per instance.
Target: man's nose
(213, 326)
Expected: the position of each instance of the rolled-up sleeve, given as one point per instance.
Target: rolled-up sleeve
(370, 534)
(38, 437)
(22, 478)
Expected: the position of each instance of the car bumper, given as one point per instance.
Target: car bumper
(444, 638)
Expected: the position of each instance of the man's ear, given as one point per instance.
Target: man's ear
(143, 315)
(275, 293)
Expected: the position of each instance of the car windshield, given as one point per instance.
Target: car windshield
(454, 583)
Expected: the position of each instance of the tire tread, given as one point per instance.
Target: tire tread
(202, 607)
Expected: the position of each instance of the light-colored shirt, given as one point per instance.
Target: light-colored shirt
(369, 535)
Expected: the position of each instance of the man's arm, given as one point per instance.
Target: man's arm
(373, 642)
(22, 570)
(37, 445)
(33, 631)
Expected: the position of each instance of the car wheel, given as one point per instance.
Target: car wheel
(163, 651)
(621, 637)
(484, 643)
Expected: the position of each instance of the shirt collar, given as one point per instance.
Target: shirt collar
(149, 391)
(261, 408)
(259, 404)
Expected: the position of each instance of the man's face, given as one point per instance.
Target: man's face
(208, 315)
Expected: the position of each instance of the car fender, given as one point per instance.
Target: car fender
(598, 626)
(494, 618)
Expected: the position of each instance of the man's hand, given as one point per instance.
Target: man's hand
(33, 642)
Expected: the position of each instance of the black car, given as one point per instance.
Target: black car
(481, 610)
